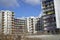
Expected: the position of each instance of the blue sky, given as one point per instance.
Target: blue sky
(22, 8)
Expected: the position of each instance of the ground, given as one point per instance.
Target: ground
(44, 37)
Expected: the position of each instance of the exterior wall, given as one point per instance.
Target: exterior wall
(27, 19)
(49, 18)
(56, 9)
(39, 26)
(32, 24)
(57, 12)
(0, 22)
(7, 21)
(19, 27)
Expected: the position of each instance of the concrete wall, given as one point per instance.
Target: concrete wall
(57, 12)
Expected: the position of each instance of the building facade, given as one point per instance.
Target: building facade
(6, 21)
(33, 24)
(30, 24)
(39, 24)
(19, 27)
(51, 14)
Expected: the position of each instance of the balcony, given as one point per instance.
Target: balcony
(48, 16)
(48, 6)
(44, 21)
(52, 24)
(47, 1)
(49, 21)
(48, 9)
(45, 25)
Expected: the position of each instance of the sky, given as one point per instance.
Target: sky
(22, 8)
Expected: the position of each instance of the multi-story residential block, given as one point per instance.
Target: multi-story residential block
(33, 24)
(20, 24)
(39, 25)
(51, 17)
(6, 21)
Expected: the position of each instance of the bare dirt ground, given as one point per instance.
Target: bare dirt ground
(44, 37)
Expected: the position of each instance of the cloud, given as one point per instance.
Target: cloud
(41, 13)
(9, 3)
(15, 3)
(33, 2)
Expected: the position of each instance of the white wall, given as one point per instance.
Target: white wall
(7, 22)
(0, 21)
(57, 12)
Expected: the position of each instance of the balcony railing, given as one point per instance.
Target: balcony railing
(48, 9)
(48, 16)
(50, 24)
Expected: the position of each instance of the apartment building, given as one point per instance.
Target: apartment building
(33, 24)
(20, 24)
(51, 15)
(39, 24)
(6, 21)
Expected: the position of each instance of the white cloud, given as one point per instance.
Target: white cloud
(9, 3)
(14, 3)
(33, 2)
(41, 13)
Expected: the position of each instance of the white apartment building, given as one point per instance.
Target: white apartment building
(6, 21)
(31, 24)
